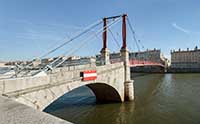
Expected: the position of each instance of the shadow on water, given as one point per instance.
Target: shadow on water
(81, 96)
(79, 106)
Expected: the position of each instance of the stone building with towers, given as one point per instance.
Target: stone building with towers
(185, 60)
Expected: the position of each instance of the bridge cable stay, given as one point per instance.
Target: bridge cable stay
(133, 33)
(97, 38)
(136, 41)
(88, 39)
(101, 30)
(81, 45)
(85, 30)
(134, 37)
(73, 38)
(114, 38)
(56, 43)
(146, 57)
(139, 41)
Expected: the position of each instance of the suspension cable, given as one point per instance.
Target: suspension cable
(85, 30)
(114, 38)
(102, 30)
(73, 38)
(88, 39)
(141, 44)
(133, 33)
(81, 45)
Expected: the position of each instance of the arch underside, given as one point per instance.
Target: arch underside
(104, 93)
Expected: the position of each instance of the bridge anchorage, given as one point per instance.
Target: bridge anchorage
(110, 82)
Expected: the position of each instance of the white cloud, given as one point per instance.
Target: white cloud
(177, 27)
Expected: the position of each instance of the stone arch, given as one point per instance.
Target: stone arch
(103, 92)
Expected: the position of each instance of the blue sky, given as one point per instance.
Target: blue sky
(29, 28)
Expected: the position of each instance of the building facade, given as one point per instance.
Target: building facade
(186, 60)
(154, 55)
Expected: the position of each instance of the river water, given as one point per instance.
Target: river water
(159, 99)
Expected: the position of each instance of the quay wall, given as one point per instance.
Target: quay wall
(147, 69)
(183, 70)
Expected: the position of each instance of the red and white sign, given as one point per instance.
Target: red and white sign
(89, 75)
